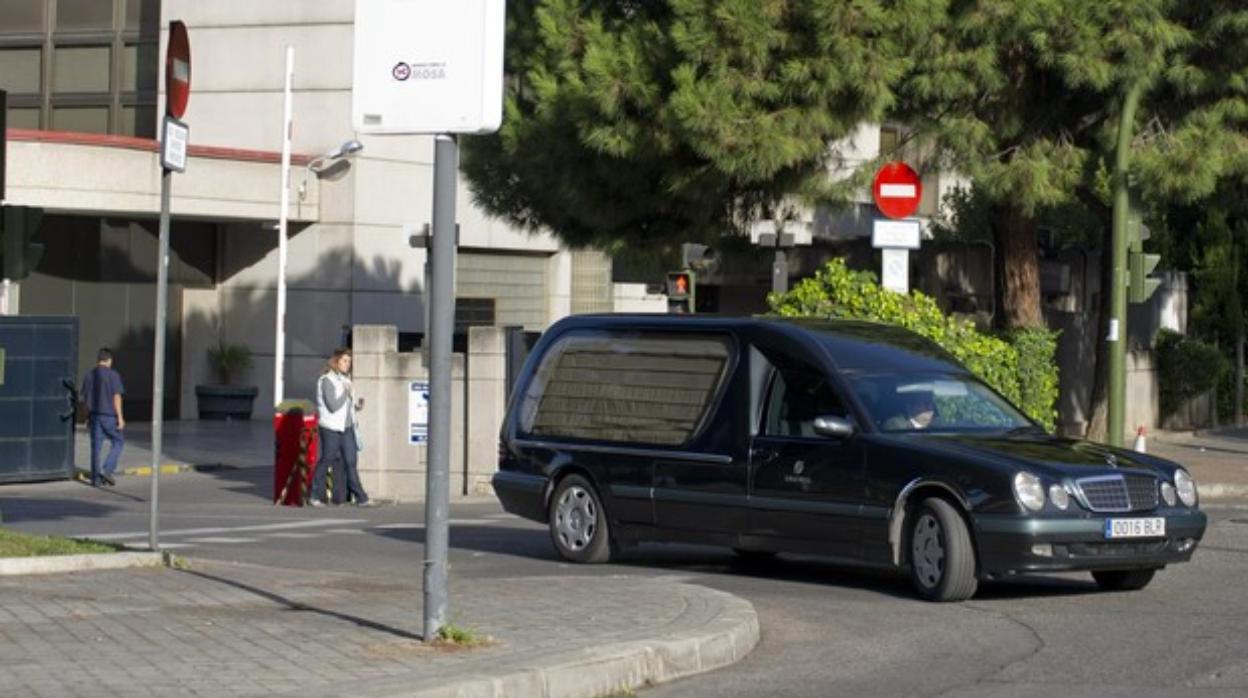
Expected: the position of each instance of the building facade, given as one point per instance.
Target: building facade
(84, 102)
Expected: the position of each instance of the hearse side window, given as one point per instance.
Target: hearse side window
(635, 388)
(797, 397)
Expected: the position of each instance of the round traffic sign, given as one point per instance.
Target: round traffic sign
(177, 70)
(897, 190)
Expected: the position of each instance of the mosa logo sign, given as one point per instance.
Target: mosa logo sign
(418, 71)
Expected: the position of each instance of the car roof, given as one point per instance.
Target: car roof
(855, 346)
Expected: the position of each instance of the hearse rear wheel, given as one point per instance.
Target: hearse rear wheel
(942, 557)
(578, 524)
(1123, 580)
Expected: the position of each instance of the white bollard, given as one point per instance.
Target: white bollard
(1140, 446)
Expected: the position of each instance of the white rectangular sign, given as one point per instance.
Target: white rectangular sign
(174, 139)
(428, 67)
(895, 271)
(418, 412)
(888, 233)
(897, 191)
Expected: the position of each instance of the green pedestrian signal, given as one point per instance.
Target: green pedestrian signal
(21, 254)
(1141, 286)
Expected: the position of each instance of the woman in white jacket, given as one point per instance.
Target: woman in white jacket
(336, 408)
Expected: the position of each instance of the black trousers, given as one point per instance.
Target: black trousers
(339, 448)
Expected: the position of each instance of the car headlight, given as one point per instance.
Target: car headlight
(1185, 486)
(1167, 494)
(1029, 491)
(1059, 496)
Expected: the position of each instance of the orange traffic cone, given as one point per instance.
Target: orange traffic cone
(1140, 446)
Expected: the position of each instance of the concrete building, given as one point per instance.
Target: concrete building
(82, 78)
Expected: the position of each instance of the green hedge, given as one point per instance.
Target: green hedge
(1186, 368)
(1020, 365)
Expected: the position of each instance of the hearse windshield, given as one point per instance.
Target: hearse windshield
(936, 402)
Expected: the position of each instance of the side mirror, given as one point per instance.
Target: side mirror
(834, 427)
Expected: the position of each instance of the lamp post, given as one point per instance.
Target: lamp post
(347, 149)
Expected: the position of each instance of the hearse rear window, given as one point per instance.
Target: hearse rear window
(636, 388)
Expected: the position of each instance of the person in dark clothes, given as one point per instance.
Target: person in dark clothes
(101, 391)
(336, 408)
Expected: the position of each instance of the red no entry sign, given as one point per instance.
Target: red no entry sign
(177, 71)
(897, 189)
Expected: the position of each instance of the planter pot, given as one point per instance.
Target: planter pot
(225, 401)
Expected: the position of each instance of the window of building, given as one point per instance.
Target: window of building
(81, 65)
(639, 388)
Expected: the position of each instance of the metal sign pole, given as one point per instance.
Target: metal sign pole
(158, 369)
(441, 327)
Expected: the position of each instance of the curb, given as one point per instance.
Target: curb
(1220, 492)
(55, 564)
(166, 469)
(617, 667)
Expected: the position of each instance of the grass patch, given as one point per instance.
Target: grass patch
(13, 544)
(451, 634)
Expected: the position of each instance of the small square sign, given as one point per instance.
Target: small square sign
(174, 139)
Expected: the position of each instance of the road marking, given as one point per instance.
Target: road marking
(345, 530)
(294, 535)
(421, 526)
(221, 540)
(234, 529)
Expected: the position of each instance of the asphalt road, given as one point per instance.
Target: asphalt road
(826, 630)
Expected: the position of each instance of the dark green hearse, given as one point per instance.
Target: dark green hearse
(857, 441)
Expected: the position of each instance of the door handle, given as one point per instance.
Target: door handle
(763, 455)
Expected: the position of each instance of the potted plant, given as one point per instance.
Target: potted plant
(225, 399)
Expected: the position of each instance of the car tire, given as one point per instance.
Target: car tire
(942, 555)
(1123, 580)
(578, 523)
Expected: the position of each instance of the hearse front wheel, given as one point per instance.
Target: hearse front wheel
(578, 524)
(1123, 580)
(942, 557)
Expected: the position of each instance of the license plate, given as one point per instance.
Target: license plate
(1135, 528)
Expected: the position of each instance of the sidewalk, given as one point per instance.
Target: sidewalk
(1218, 459)
(229, 629)
(188, 444)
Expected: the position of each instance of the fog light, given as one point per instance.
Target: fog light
(1042, 550)
(1167, 494)
(1186, 544)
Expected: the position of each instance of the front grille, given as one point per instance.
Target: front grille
(1118, 493)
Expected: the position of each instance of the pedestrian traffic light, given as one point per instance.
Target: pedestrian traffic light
(680, 291)
(18, 226)
(1141, 286)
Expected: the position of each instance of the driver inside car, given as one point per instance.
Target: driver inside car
(918, 412)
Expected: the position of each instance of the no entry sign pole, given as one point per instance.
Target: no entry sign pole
(173, 146)
(897, 190)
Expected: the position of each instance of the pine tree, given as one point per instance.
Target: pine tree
(652, 123)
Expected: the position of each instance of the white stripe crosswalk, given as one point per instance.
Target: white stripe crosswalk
(185, 538)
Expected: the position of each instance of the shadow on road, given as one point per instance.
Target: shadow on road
(692, 559)
(23, 509)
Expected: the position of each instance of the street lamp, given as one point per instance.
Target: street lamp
(319, 164)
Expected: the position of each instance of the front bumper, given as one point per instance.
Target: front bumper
(1013, 543)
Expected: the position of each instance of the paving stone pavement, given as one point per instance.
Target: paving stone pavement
(240, 630)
